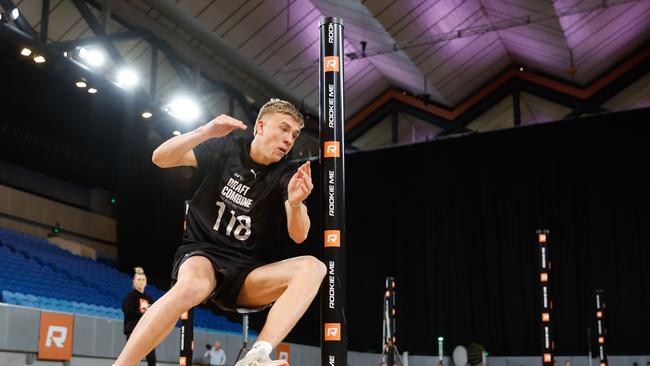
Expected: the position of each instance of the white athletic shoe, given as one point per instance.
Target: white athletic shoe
(259, 358)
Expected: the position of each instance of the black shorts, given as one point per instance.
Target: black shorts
(231, 271)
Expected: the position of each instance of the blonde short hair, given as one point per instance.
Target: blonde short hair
(275, 105)
(138, 271)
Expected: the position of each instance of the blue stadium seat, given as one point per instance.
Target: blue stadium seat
(62, 281)
(8, 297)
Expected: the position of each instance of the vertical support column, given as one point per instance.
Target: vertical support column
(106, 14)
(334, 332)
(601, 329)
(548, 344)
(187, 324)
(154, 73)
(231, 105)
(196, 76)
(45, 20)
(516, 107)
(390, 338)
(394, 125)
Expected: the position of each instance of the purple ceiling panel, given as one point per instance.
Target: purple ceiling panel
(362, 26)
(427, 53)
(475, 73)
(445, 48)
(357, 95)
(602, 37)
(422, 23)
(539, 45)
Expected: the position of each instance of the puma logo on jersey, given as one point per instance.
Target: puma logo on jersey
(253, 174)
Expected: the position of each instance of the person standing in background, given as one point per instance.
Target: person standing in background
(216, 354)
(135, 304)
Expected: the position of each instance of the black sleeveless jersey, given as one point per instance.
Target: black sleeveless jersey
(239, 206)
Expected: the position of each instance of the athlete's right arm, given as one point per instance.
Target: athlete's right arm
(177, 151)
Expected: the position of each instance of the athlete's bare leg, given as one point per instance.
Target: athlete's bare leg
(196, 281)
(292, 284)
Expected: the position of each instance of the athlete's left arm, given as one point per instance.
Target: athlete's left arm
(298, 190)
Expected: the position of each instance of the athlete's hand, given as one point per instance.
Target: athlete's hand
(300, 185)
(222, 125)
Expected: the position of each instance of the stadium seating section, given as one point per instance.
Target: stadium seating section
(37, 274)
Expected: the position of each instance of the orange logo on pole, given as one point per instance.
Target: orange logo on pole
(182, 361)
(332, 64)
(55, 341)
(332, 149)
(332, 331)
(332, 238)
(284, 352)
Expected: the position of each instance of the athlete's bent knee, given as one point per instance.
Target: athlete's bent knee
(312, 266)
(190, 294)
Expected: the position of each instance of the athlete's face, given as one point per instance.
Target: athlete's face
(139, 282)
(277, 133)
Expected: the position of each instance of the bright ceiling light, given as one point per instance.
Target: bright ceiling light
(26, 52)
(15, 14)
(184, 109)
(81, 84)
(91, 57)
(92, 91)
(177, 133)
(39, 59)
(147, 115)
(127, 78)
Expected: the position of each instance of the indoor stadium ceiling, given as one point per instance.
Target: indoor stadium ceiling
(440, 51)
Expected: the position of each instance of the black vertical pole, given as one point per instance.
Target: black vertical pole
(389, 315)
(589, 348)
(187, 338)
(334, 332)
(546, 316)
(601, 326)
(187, 324)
